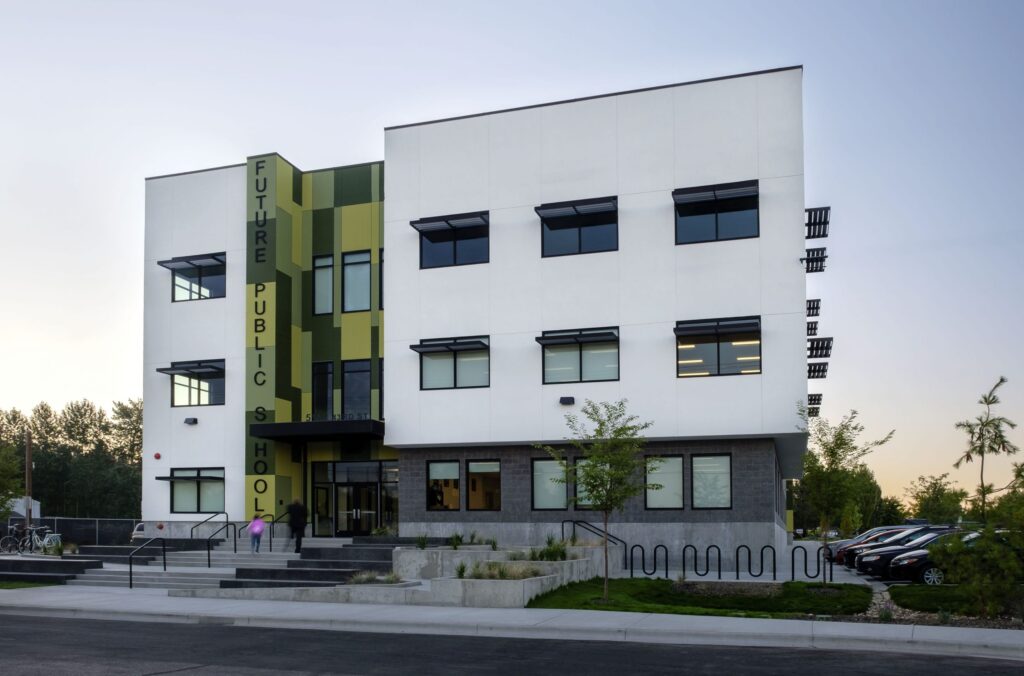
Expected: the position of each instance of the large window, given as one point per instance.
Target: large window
(669, 475)
(718, 347)
(711, 481)
(484, 479)
(355, 391)
(356, 281)
(189, 391)
(582, 226)
(550, 491)
(323, 285)
(582, 497)
(443, 486)
(580, 355)
(447, 363)
(197, 490)
(716, 212)
(459, 239)
(323, 390)
(197, 277)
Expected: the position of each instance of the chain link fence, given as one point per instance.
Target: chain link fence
(81, 531)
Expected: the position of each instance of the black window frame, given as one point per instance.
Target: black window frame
(732, 483)
(459, 227)
(580, 336)
(344, 387)
(718, 328)
(223, 395)
(577, 217)
(198, 470)
(576, 506)
(715, 194)
(202, 264)
(330, 389)
(451, 343)
(369, 278)
(469, 486)
(315, 267)
(533, 496)
(682, 470)
(426, 474)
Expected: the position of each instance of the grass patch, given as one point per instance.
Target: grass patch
(930, 599)
(658, 596)
(23, 585)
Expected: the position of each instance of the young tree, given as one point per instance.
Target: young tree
(936, 499)
(613, 469)
(890, 512)
(986, 435)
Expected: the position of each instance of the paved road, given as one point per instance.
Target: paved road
(50, 646)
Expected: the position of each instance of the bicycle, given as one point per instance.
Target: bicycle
(11, 543)
(33, 542)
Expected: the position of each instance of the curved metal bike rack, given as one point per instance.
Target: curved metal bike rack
(761, 562)
(643, 560)
(707, 560)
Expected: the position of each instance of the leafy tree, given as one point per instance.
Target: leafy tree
(10, 479)
(890, 512)
(989, 569)
(126, 430)
(936, 499)
(614, 468)
(986, 435)
(850, 521)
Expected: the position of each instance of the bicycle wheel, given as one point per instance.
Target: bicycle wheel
(8, 544)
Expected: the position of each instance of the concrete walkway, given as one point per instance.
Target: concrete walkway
(153, 605)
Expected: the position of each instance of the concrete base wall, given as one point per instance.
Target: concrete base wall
(183, 529)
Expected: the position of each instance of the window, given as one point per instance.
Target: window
(197, 490)
(711, 481)
(460, 239)
(442, 486)
(718, 347)
(582, 226)
(196, 277)
(582, 498)
(484, 485)
(355, 390)
(580, 355)
(323, 390)
(323, 285)
(196, 383)
(668, 474)
(447, 363)
(550, 491)
(716, 212)
(356, 281)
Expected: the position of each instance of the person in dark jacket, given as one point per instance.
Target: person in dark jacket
(297, 520)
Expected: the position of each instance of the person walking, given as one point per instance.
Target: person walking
(297, 520)
(256, 527)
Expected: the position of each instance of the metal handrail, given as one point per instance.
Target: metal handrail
(192, 532)
(209, 541)
(271, 529)
(131, 555)
(597, 530)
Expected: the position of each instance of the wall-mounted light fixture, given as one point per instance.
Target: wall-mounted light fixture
(567, 401)
(191, 421)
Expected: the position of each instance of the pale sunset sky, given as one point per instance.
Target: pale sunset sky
(912, 120)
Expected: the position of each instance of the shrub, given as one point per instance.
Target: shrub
(885, 613)
(552, 551)
(518, 555)
(363, 577)
(421, 542)
(988, 569)
(493, 543)
(472, 537)
(455, 541)
(460, 570)
(496, 570)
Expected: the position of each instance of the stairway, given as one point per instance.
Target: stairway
(151, 578)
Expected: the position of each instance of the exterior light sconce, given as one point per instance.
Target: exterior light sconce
(191, 421)
(567, 401)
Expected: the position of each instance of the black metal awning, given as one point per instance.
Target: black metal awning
(814, 260)
(578, 337)
(450, 345)
(193, 262)
(202, 368)
(189, 478)
(318, 430)
(587, 207)
(722, 191)
(814, 400)
(817, 369)
(816, 221)
(813, 307)
(721, 328)
(812, 328)
(472, 219)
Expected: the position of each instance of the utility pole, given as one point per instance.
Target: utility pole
(28, 479)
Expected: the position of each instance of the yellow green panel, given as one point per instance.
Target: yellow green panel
(355, 336)
(355, 227)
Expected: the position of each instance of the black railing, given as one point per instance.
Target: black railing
(750, 566)
(819, 564)
(707, 560)
(209, 541)
(131, 555)
(192, 532)
(643, 559)
(597, 530)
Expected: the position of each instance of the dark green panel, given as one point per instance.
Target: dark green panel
(323, 232)
(326, 338)
(352, 185)
(296, 186)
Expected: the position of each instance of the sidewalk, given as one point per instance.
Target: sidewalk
(153, 605)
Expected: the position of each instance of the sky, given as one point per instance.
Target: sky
(912, 122)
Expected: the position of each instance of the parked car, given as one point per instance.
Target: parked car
(842, 554)
(139, 532)
(895, 540)
(833, 547)
(917, 565)
(875, 561)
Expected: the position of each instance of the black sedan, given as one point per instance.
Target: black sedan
(850, 554)
(917, 565)
(876, 561)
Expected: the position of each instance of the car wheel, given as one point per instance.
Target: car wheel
(932, 576)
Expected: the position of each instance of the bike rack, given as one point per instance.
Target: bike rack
(131, 555)
(707, 560)
(209, 540)
(750, 568)
(819, 564)
(643, 559)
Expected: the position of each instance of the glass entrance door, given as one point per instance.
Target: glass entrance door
(357, 508)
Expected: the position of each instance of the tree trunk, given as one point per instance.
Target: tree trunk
(606, 557)
(981, 488)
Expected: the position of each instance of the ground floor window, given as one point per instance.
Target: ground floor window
(443, 485)
(582, 498)
(669, 475)
(550, 491)
(484, 479)
(197, 490)
(711, 481)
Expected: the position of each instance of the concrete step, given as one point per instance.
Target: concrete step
(138, 560)
(334, 575)
(144, 585)
(144, 572)
(221, 563)
(246, 583)
(380, 566)
(27, 576)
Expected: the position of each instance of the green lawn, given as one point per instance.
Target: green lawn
(657, 596)
(930, 599)
(22, 585)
